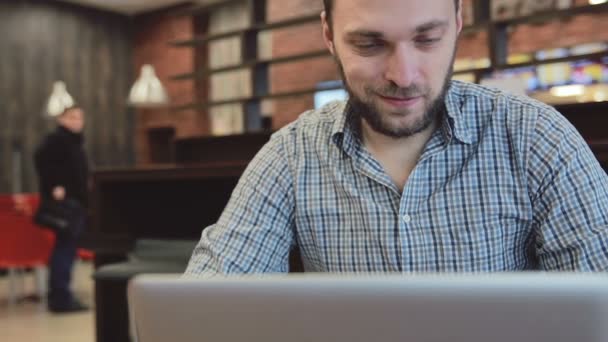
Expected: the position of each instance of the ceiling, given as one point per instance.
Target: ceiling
(128, 7)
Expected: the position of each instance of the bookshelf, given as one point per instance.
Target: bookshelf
(258, 68)
(253, 63)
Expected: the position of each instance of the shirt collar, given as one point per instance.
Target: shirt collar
(343, 132)
(456, 117)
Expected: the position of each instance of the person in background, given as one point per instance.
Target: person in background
(416, 172)
(62, 167)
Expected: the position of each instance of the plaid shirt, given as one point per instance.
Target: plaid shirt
(506, 183)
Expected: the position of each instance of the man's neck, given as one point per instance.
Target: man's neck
(398, 156)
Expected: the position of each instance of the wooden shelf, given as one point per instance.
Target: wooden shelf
(469, 29)
(553, 14)
(473, 71)
(251, 64)
(171, 171)
(253, 98)
(537, 62)
(221, 138)
(256, 28)
(203, 8)
(205, 39)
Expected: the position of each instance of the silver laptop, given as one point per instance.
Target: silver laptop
(523, 307)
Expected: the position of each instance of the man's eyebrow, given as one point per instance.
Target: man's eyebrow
(378, 35)
(364, 34)
(431, 26)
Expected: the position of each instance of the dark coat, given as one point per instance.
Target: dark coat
(61, 161)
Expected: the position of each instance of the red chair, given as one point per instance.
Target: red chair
(85, 254)
(22, 244)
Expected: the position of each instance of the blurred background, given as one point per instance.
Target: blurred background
(179, 96)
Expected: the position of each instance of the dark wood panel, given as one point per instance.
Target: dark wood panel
(241, 147)
(590, 119)
(165, 201)
(44, 41)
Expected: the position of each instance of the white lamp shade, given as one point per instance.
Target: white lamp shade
(59, 101)
(147, 90)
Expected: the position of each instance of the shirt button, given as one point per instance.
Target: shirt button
(407, 218)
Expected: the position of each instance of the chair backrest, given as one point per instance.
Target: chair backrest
(22, 243)
(163, 250)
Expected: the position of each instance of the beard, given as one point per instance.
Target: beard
(364, 108)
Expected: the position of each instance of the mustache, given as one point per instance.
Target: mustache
(392, 90)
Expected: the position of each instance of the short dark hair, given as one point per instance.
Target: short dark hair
(329, 5)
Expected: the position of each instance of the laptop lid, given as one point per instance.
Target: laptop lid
(522, 307)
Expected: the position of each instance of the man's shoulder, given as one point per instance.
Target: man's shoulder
(517, 118)
(472, 94)
(502, 106)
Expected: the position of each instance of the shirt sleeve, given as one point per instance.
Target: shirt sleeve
(569, 193)
(255, 232)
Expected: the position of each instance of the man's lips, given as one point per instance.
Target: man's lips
(401, 101)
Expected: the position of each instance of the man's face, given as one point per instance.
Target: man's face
(72, 120)
(396, 59)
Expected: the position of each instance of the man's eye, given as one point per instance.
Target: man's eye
(368, 45)
(427, 41)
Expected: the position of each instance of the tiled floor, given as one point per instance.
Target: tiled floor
(29, 321)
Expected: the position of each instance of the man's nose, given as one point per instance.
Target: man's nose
(402, 68)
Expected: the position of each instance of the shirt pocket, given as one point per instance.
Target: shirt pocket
(486, 233)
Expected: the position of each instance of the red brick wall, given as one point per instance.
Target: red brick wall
(473, 45)
(298, 75)
(283, 9)
(150, 46)
(559, 33)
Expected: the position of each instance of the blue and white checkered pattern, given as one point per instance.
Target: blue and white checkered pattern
(505, 184)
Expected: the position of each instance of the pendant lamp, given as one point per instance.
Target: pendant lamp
(148, 91)
(59, 100)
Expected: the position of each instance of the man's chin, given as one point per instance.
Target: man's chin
(402, 117)
(396, 128)
(387, 109)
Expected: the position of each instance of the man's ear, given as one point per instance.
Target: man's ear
(328, 36)
(459, 22)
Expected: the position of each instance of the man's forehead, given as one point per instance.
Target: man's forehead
(390, 14)
(387, 4)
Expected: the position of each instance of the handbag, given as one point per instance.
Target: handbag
(57, 215)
